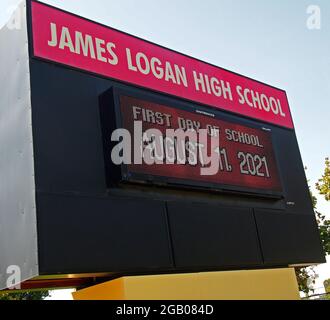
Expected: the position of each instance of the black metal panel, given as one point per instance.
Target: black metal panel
(66, 130)
(297, 196)
(288, 238)
(82, 234)
(83, 224)
(207, 236)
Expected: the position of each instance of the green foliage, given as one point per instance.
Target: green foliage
(327, 285)
(323, 185)
(314, 199)
(324, 227)
(306, 278)
(25, 295)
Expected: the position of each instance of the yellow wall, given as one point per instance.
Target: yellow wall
(270, 284)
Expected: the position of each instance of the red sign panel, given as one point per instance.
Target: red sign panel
(73, 41)
(245, 154)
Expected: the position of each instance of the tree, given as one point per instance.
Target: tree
(25, 295)
(323, 185)
(306, 278)
(324, 227)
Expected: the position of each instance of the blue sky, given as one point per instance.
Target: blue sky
(265, 40)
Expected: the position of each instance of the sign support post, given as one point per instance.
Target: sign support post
(268, 284)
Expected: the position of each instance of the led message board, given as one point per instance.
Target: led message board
(181, 151)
